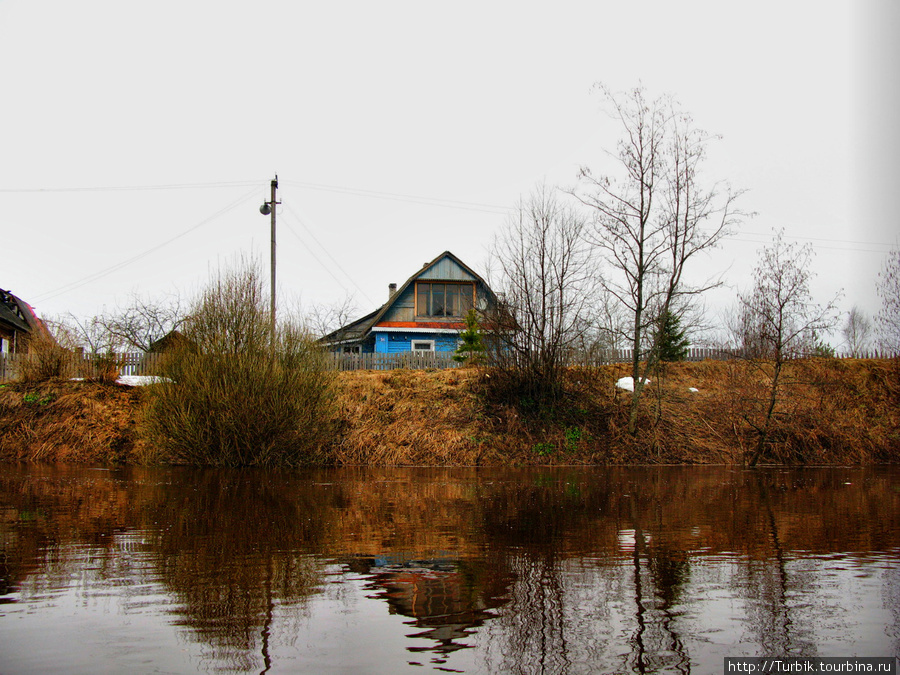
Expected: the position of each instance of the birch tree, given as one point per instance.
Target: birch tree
(784, 320)
(857, 331)
(652, 216)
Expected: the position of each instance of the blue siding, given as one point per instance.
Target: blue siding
(394, 343)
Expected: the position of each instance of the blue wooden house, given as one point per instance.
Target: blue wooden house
(425, 314)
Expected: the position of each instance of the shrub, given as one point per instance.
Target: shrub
(100, 367)
(45, 360)
(237, 395)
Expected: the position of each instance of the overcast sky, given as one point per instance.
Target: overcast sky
(139, 139)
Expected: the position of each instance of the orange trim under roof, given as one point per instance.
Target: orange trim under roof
(419, 324)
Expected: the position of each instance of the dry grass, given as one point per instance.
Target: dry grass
(830, 412)
(64, 421)
(411, 418)
(833, 412)
(46, 360)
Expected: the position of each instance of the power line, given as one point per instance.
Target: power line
(318, 260)
(114, 268)
(810, 240)
(132, 188)
(825, 239)
(322, 246)
(415, 199)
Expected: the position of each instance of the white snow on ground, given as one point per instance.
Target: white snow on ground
(627, 383)
(139, 380)
(132, 380)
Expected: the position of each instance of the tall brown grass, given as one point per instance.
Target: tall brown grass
(45, 360)
(833, 412)
(235, 394)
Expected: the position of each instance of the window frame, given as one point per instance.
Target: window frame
(459, 313)
(413, 343)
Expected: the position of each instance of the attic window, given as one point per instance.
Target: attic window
(444, 299)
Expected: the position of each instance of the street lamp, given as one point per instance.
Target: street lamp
(268, 208)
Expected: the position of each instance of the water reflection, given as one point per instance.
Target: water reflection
(628, 570)
(446, 598)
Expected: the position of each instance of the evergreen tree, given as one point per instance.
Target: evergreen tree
(673, 345)
(471, 347)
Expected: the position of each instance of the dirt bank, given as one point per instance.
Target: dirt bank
(830, 412)
(65, 421)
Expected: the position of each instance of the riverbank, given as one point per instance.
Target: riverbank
(830, 412)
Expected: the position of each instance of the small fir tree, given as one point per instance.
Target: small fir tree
(471, 347)
(673, 345)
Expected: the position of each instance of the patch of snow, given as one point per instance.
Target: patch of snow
(140, 380)
(627, 383)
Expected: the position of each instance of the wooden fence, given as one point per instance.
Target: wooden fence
(84, 364)
(411, 360)
(137, 363)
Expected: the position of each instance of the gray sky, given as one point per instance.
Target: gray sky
(402, 129)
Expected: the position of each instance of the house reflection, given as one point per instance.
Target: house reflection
(446, 598)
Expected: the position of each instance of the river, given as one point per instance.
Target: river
(356, 570)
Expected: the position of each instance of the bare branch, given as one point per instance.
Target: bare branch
(653, 217)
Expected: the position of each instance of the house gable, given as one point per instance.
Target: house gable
(426, 312)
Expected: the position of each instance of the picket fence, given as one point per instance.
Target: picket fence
(138, 363)
(85, 364)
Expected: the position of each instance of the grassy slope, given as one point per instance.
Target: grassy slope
(65, 421)
(833, 412)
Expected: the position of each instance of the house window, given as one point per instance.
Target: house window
(422, 346)
(444, 299)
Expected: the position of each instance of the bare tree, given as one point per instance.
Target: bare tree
(92, 334)
(652, 218)
(857, 331)
(603, 337)
(145, 320)
(97, 348)
(322, 319)
(888, 318)
(783, 322)
(547, 284)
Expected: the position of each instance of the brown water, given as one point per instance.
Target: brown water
(411, 570)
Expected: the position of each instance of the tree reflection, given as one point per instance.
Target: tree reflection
(232, 547)
(767, 586)
(532, 528)
(655, 643)
(534, 571)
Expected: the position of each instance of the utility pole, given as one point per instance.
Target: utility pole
(266, 209)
